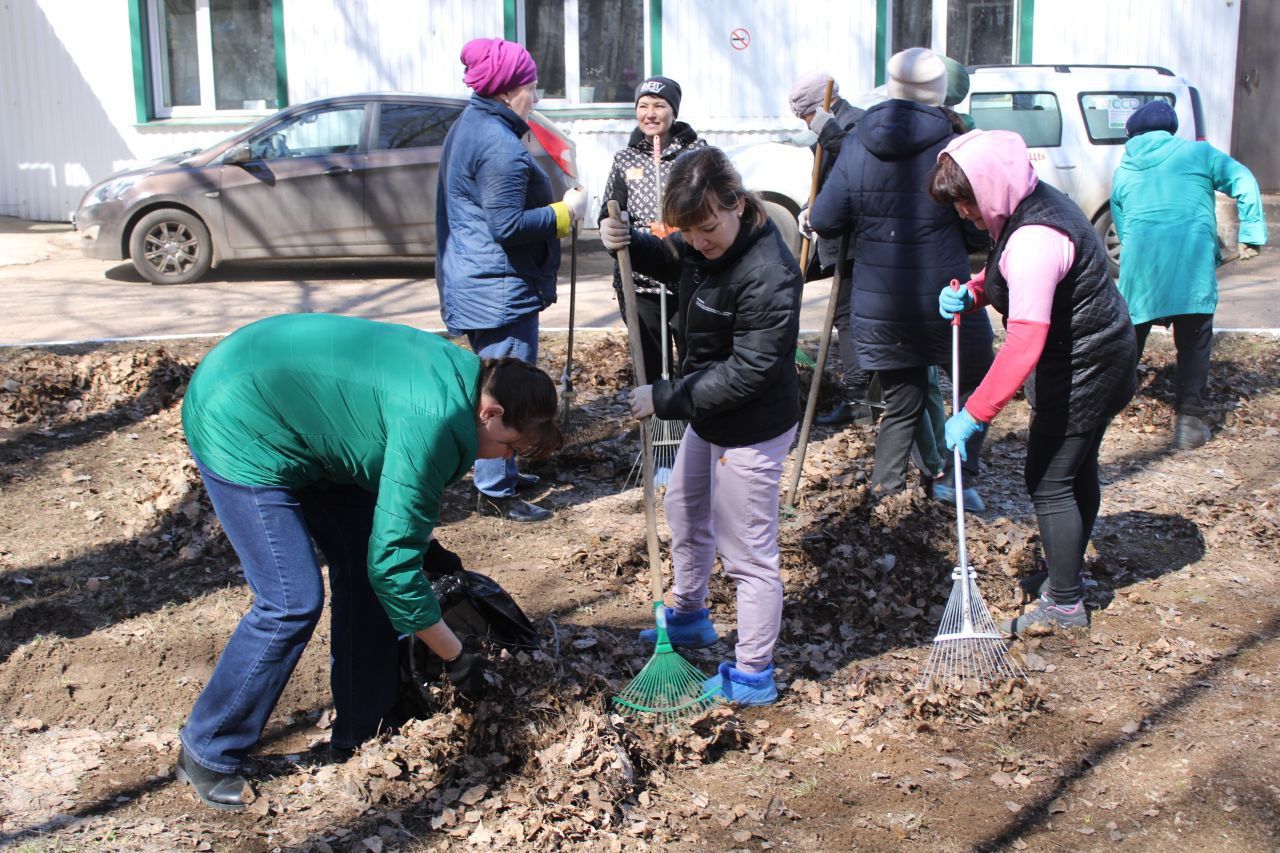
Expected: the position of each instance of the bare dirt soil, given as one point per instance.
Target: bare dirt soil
(1156, 730)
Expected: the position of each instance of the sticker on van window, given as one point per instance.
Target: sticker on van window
(1118, 108)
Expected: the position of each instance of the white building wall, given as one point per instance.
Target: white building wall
(345, 46)
(735, 97)
(1194, 38)
(67, 93)
(67, 89)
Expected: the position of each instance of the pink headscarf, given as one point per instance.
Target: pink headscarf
(496, 65)
(998, 169)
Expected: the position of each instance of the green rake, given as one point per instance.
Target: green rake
(668, 689)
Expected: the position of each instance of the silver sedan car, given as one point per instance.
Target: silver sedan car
(351, 176)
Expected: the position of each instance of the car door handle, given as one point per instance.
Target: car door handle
(339, 170)
(1066, 165)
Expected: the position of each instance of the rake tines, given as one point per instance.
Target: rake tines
(968, 645)
(668, 689)
(667, 436)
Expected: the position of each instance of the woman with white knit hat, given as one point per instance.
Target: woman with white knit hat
(904, 244)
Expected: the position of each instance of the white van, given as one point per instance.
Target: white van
(1071, 116)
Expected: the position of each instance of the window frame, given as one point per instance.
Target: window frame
(1022, 25)
(514, 30)
(1169, 97)
(147, 70)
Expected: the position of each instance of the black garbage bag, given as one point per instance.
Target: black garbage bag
(478, 610)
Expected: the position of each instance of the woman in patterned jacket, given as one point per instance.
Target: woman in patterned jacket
(635, 183)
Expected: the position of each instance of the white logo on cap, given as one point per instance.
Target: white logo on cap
(652, 86)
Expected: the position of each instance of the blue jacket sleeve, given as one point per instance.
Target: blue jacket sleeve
(832, 211)
(503, 181)
(1231, 177)
(1117, 203)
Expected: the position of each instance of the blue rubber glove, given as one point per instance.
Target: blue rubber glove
(959, 429)
(954, 301)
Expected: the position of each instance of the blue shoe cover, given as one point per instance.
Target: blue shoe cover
(743, 688)
(688, 630)
(947, 494)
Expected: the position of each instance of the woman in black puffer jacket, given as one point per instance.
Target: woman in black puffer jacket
(904, 245)
(739, 317)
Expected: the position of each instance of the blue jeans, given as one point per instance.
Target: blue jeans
(272, 530)
(498, 477)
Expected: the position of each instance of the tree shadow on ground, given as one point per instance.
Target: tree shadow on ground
(1208, 678)
(123, 794)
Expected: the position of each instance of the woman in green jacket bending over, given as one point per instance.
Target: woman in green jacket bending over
(342, 432)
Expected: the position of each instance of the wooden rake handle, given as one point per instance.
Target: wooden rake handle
(646, 439)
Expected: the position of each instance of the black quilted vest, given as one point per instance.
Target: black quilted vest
(1088, 370)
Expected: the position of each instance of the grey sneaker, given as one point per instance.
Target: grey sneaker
(1046, 617)
(1189, 432)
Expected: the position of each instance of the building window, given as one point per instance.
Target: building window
(588, 51)
(208, 57)
(972, 32)
(980, 32)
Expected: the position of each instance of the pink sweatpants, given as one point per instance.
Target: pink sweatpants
(726, 499)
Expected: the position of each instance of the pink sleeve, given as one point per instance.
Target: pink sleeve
(978, 288)
(1035, 259)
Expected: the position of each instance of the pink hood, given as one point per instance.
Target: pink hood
(998, 169)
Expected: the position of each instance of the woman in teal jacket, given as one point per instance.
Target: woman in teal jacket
(1162, 201)
(342, 432)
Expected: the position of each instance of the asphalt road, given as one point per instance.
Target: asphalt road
(50, 294)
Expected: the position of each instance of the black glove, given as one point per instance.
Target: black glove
(439, 561)
(466, 674)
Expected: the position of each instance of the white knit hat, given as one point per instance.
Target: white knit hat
(917, 74)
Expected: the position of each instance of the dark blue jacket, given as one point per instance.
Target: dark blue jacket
(496, 247)
(905, 246)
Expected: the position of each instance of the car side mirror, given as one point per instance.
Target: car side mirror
(238, 155)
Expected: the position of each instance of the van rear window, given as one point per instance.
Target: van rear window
(1034, 116)
(1106, 112)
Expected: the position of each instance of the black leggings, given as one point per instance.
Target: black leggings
(1193, 339)
(1062, 478)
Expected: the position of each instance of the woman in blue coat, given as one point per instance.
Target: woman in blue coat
(1163, 204)
(498, 235)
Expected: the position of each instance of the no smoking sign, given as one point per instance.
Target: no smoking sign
(739, 38)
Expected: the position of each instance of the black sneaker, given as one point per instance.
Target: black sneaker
(512, 509)
(1189, 432)
(838, 415)
(227, 791)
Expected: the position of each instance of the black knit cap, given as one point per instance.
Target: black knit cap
(1154, 115)
(661, 87)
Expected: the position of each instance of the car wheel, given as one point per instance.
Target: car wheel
(170, 246)
(1105, 227)
(787, 225)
